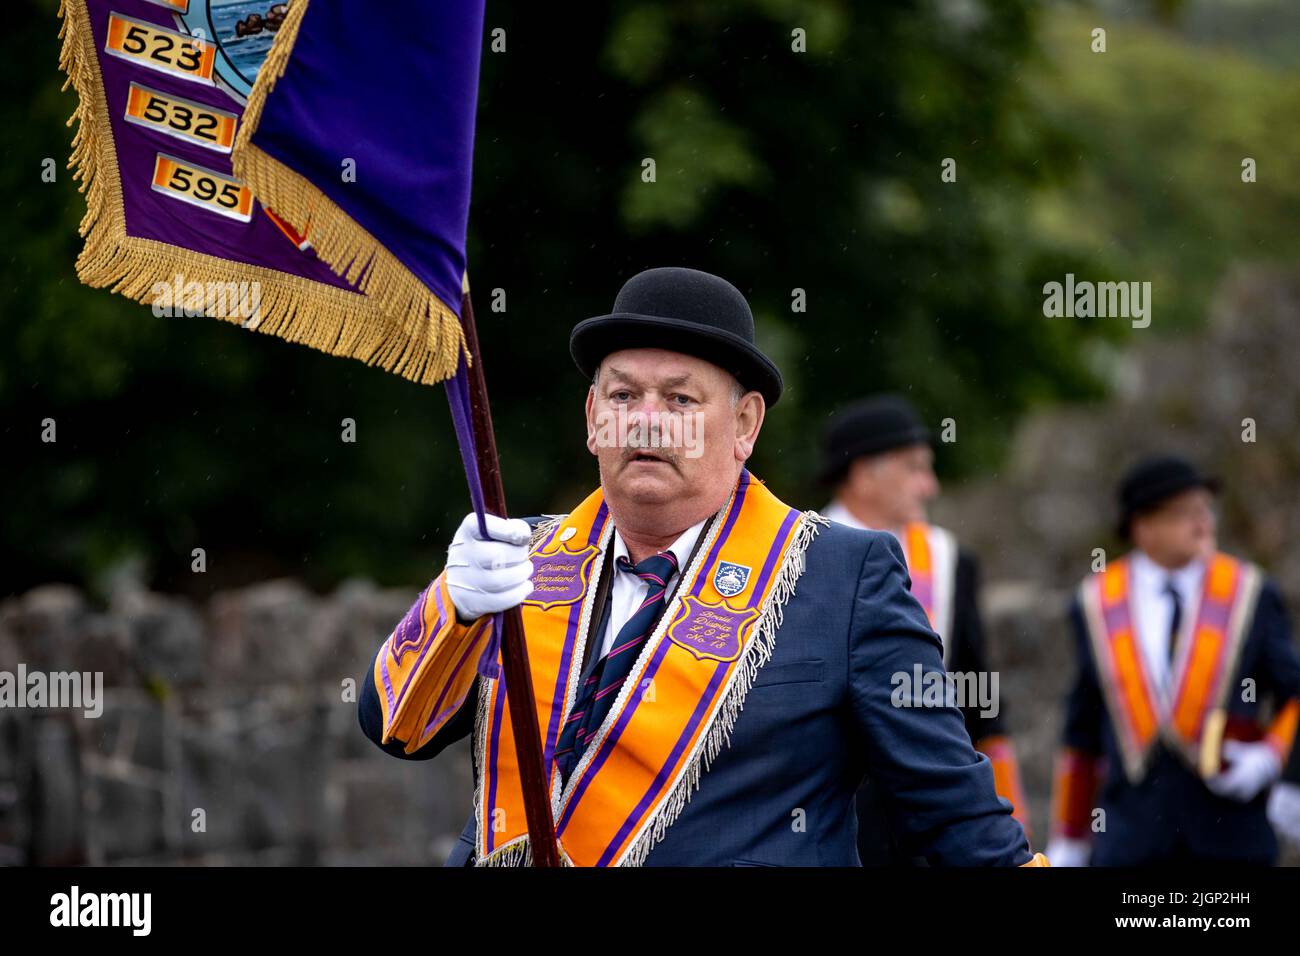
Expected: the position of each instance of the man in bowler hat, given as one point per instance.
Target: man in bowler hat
(712, 668)
(878, 461)
(1187, 692)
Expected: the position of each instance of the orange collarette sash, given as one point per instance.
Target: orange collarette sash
(1202, 670)
(680, 700)
(931, 555)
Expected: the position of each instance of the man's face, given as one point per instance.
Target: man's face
(895, 485)
(669, 428)
(1179, 530)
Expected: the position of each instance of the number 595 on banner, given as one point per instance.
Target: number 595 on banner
(205, 188)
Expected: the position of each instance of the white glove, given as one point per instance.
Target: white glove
(1068, 851)
(1252, 767)
(1284, 811)
(487, 576)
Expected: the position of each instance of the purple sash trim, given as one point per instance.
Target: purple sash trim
(411, 627)
(388, 680)
(423, 651)
(706, 701)
(561, 685)
(741, 488)
(1116, 617)
(701, 708)
(656, 660)
(770, 564)
(566, 657)
(923, 591)
(607, 748)
(487, 661)
(1216, 613)
(489, 833)
(436, 713)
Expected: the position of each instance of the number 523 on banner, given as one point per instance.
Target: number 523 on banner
(158, 48)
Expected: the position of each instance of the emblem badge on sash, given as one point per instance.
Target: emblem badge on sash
(561, 577)
(711, 631)
(730, 579)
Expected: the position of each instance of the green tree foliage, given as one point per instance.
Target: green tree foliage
(1167, 125)
(781, 170)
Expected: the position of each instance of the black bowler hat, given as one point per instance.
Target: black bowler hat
(1154, 480)
(682, 310)
(868, 427)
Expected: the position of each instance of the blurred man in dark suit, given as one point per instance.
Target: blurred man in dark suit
(878, 460)
(1169, 750)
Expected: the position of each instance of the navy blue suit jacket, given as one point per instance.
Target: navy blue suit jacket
(876, 845)
(1170, 816)
(818, 717)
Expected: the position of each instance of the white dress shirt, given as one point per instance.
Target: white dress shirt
(943, 556)
(1154, 611)
(628, 591)
(837, 512)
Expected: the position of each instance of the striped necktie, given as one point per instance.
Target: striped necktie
(600, 688)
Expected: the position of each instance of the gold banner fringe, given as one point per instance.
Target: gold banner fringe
(352, 252)
(329, 319)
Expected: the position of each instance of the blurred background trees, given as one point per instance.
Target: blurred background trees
(780, 170)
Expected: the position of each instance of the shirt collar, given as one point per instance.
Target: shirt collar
(681, 548)
(838, 512)
(1186, 579)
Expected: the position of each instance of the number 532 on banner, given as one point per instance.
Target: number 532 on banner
(181, 118)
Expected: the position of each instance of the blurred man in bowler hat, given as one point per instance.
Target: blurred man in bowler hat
(1185, 703)
(878, 461)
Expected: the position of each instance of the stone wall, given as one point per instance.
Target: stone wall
(236, 709)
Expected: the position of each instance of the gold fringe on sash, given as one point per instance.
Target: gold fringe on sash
(423, 336)
(328, 319)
